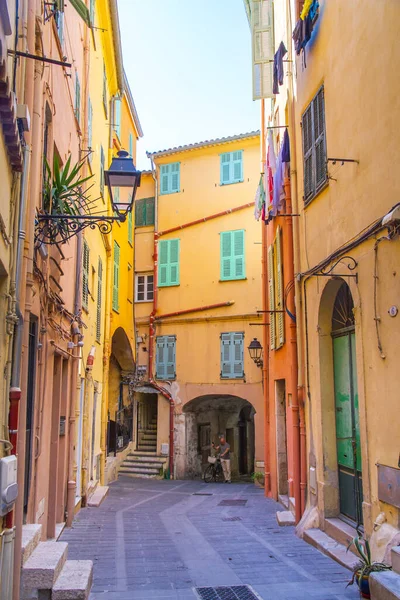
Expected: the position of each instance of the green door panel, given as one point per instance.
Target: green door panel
(344, 419)
(355, 396)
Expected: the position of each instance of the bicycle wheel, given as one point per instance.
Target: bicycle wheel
(209, 474)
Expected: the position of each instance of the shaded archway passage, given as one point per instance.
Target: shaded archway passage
(120, 405)
(208, 416)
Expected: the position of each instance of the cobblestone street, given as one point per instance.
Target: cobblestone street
(161, 539)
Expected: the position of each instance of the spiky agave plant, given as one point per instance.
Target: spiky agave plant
(365, 566)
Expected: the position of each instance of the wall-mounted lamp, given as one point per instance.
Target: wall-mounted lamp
(255, 350)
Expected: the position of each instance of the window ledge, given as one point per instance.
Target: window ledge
(317, 193)
(169, 193)
(233, 279)
(243, 378)
(143, 301)
(231, 183)
(169, 285)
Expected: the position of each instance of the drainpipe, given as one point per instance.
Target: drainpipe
(204, 219)
(265, 325)
(106, 360)
(192, 310)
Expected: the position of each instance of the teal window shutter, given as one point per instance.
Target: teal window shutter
(102, 162)
(166, 357)
(117, 117)
(115, 298)
(149, 211)
(170, 178)
(91, 12)
(105, 89)
(232, 355)
(130, 229)
(81, 9)
(131, 145)
(99, 299)
(232, 255)
(90, 129)
(168, 263)
(144, 212)
(139, 214)
(231, 167)
(85, 275)
(77, 98)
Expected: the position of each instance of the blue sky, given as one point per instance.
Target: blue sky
(188, 63)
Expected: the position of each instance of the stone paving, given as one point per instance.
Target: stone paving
(160, 539)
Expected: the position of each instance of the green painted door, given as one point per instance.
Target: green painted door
(347, 426)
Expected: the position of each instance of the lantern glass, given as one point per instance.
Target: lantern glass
(255, 349)
(122, 174)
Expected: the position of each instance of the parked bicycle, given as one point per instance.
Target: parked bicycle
(214, 470)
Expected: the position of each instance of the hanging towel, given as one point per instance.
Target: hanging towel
(306, 9)
(271, 158)
(259, 201)
(257, 211)
(278, 67)
(286, 147)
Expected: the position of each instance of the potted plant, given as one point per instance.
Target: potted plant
(365, 566)
(258, 479)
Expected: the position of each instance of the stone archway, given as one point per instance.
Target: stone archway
(208, 416)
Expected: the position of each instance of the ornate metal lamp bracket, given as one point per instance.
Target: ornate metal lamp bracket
(351, 265)
(56, 229)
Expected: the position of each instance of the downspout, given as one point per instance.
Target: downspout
(106, 361)
(204, 219)
(296, 263)
(192, 310)
(265, 324)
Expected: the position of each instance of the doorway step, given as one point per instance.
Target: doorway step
(286, 517)
(386, 584)
(46, 572)
(147, 438)
(144, 465)
(334, 541)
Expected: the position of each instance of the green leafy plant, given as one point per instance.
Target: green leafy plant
(365, 566)
(62, 188)
(258, 476)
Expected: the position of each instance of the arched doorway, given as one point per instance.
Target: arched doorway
(346, 406)
(208, 416)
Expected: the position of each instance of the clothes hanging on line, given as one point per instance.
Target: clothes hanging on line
(304, 28)
(278, 67)
(259, 202)
(282, 169)
(306, 9)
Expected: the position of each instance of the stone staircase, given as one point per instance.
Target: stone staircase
(386, 584)
(144, 462)
(147, 438)
(286, 517)
(46, 572)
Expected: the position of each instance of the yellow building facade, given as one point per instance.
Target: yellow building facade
(197, 292)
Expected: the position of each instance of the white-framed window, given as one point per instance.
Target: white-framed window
(144, 288)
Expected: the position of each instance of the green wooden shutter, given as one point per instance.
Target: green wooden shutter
(280, 317)
(175, 177)
(263, 48)
(130, 230)
(225, 168)
(117, 117)
(237, 161)
(99, 299)
(164, 173)
(149, 215)
(239, 267)
(319, 139)
(102, 161)
(226, 255)
(131, 145)
(161, 356)
(237, 352)
(173, 262)
(226, 364)
(91, 12)
(139, 214)
(307, 133)
(77, 98)
(115, 301)
(163, 252)
(271, 293)
(85, 275)
(81, 9)
(170, 357)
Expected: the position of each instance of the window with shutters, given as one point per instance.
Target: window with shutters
(170, 176)
(144, 288)
(117, 117)
(115, 296)
(99, 299)
(85, 275)
(77, 108)
(233, 264)
(263, 48)
(91, 12)
(232, 355)
(90, 130)
(314, 147)
(130, 228)
(166, 357)
(231, 167)
(276, 292)
(131, 145)
(105, 102)
(168, 262)
(59, 20)
(102, 162)
(144, 212)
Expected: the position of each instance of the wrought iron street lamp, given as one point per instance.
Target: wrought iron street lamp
(255, 350)
(55, 228)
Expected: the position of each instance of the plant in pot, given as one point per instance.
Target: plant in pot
(258, 478)
(365, 566)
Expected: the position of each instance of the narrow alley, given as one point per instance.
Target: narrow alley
(163, 539)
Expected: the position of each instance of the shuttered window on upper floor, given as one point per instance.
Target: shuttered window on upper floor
(168, 262)
(130, 228)
(276, 292)
(131, 145)
(263, 48)
(105, 101)
(232, 355)
(117, 117)
(99, 299)
(232, 259)
(144, 212)
(166, 357)
(314, 147)
(231, 164)
(77, 108)
(85, 275)
(115, 295)
(170, 176)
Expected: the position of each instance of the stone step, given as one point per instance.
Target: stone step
(139, 475)
(97, 498)
(292, 504)
(147, 443)
(395, 555)
(44, 565)
(284, 500)
(146, 448)
(145, 470)
(330, 547)
(74, 581)
(384, 585)
(147, 437)
(285, 518)
(31, 536)
(147, 457)
(341, 532)
(141, 464)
